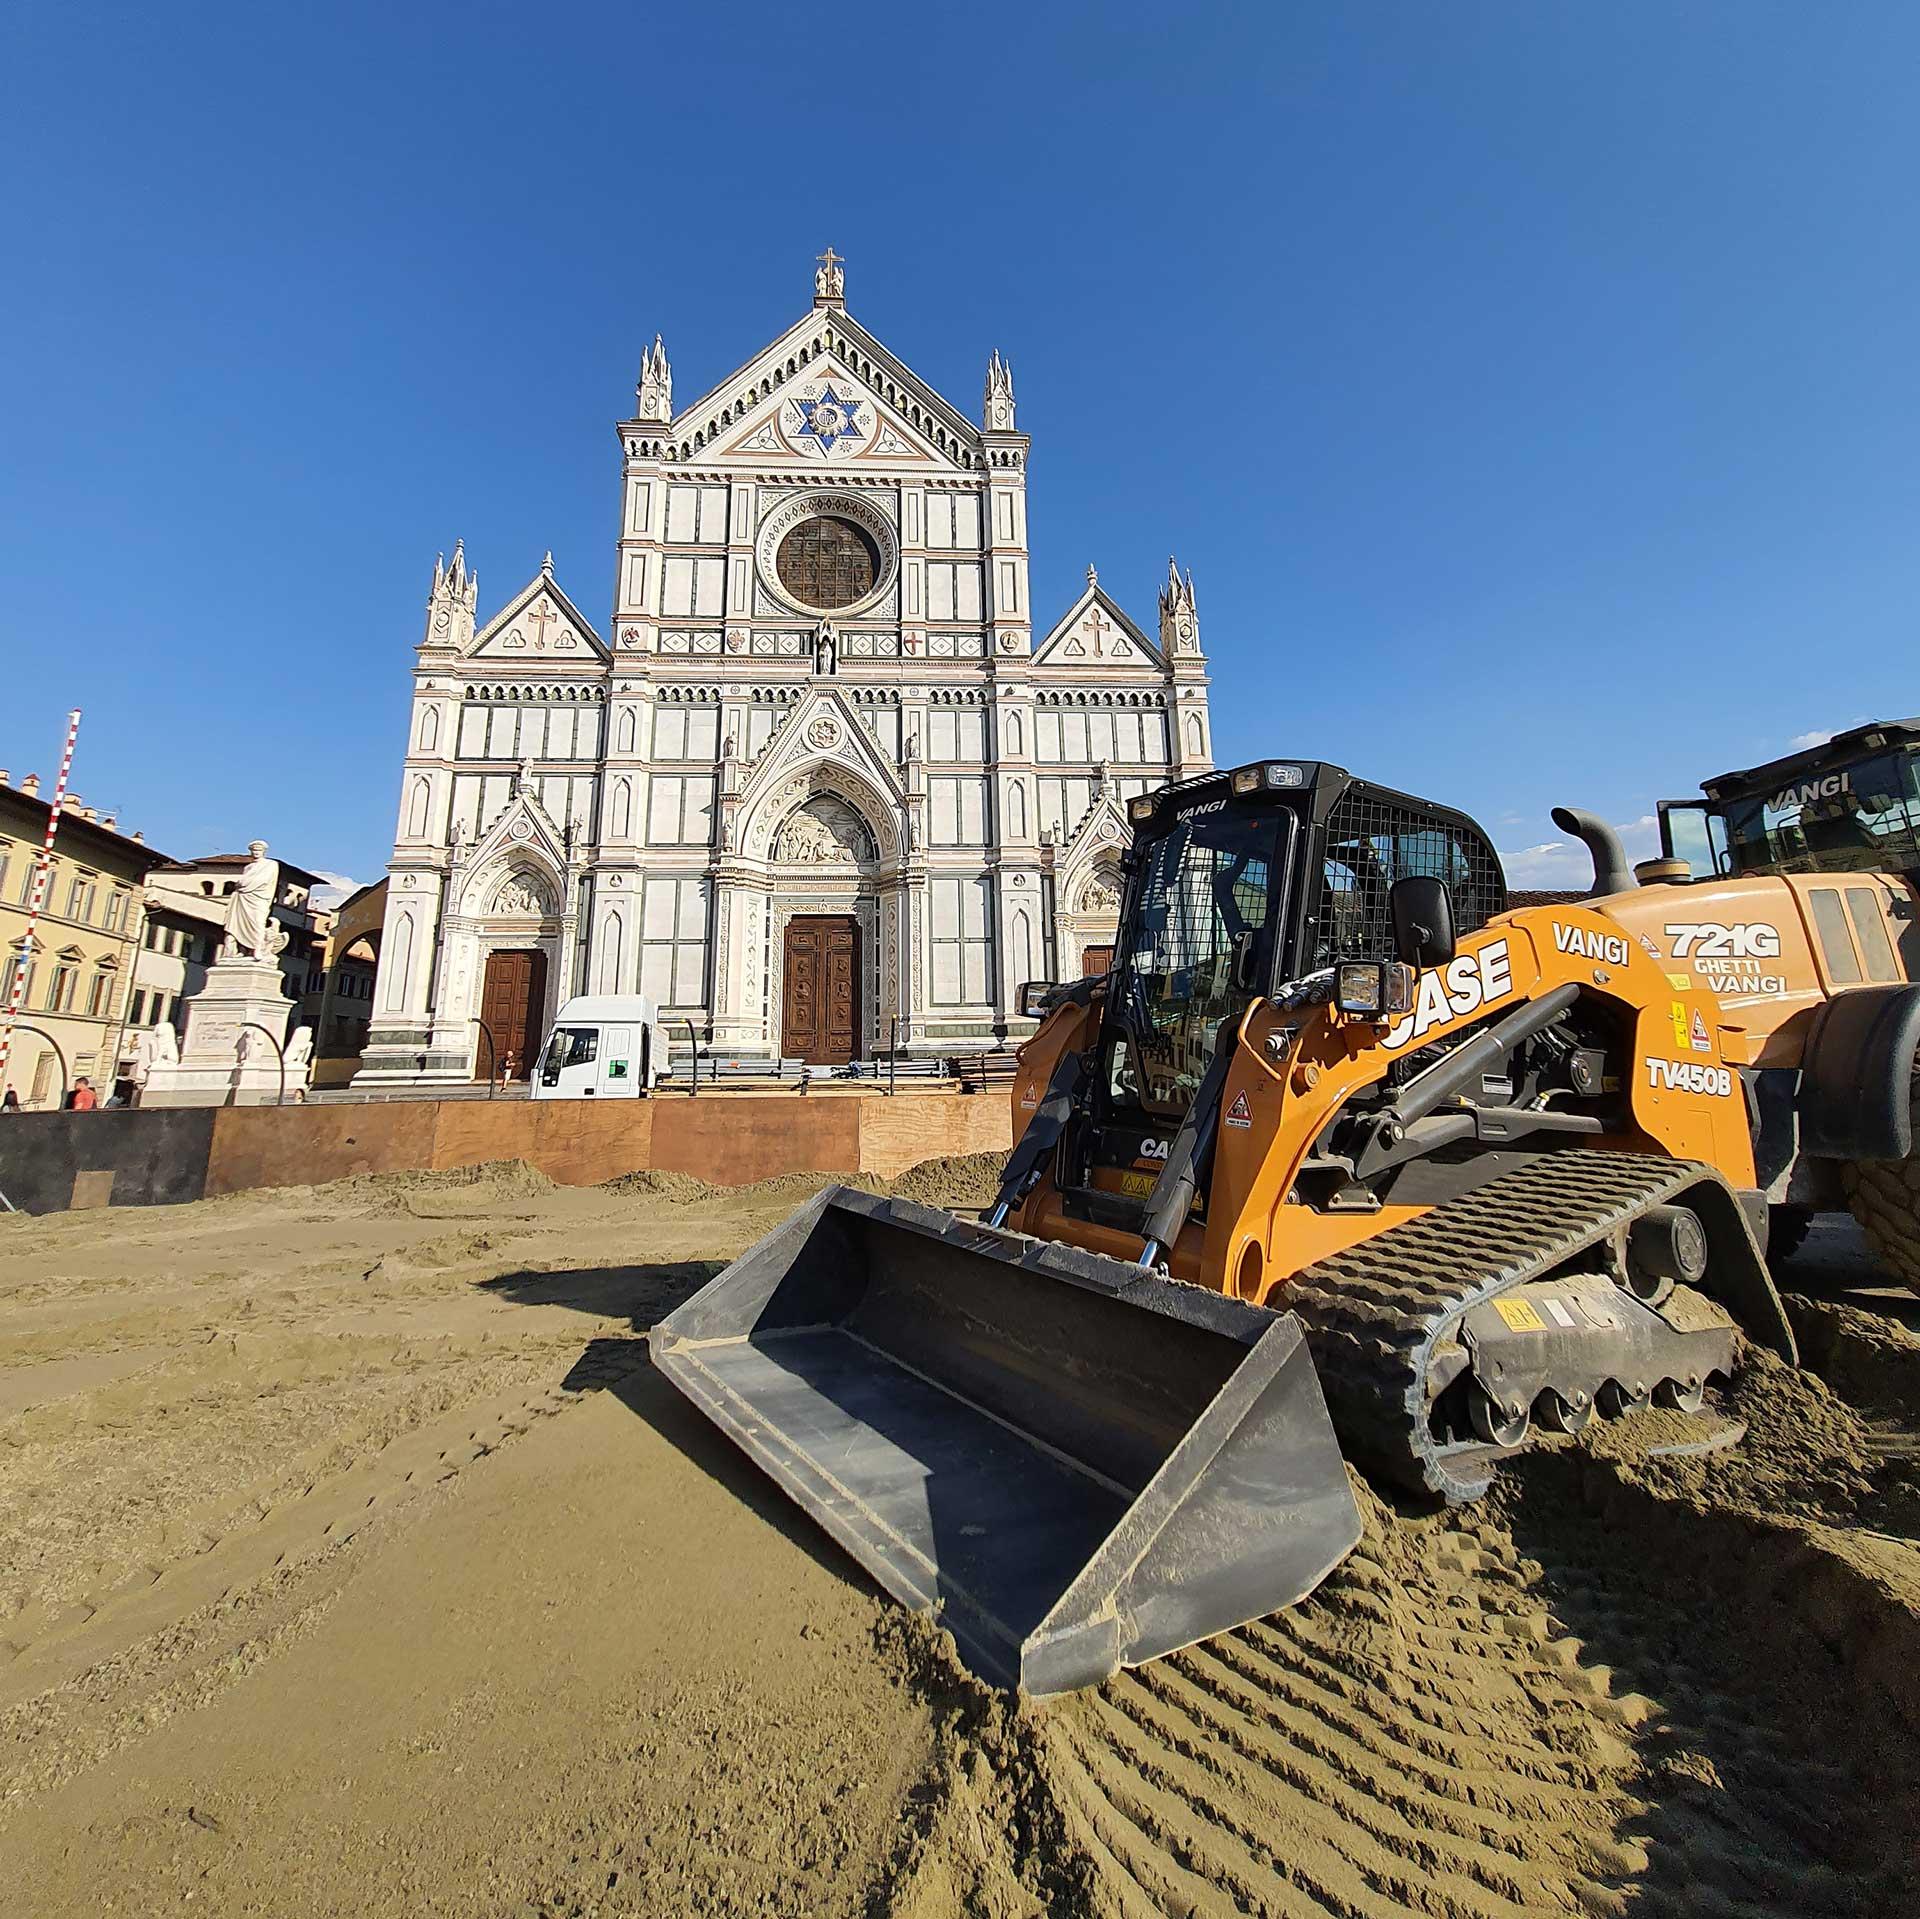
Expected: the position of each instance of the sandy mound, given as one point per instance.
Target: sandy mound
(969, 1180)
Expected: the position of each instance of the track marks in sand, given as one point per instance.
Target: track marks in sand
(47, 1646)
(1391, 1745)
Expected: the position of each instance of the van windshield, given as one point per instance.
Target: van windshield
(568, 1046)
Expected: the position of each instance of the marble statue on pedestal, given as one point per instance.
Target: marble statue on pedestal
(251, 933)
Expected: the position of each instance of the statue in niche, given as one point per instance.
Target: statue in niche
(825, 649)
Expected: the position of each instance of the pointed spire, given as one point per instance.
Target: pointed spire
(1179, 613)
(998, 407)
(450, 605)
(655, 388)
(1093, 578)
(546, 565)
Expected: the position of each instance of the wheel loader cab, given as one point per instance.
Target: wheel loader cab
(1849, 805)
(1242, 885)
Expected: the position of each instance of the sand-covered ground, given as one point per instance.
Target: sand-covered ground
(352, 1560)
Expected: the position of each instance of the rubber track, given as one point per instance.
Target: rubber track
(1374, 1313)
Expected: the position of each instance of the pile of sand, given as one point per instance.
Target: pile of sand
(960, 1180)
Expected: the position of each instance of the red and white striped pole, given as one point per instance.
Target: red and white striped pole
(40, 873)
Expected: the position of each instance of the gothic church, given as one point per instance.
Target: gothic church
(819, 790)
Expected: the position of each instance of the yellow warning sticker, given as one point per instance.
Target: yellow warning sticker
(1519, 1315)
(1679, 1026)
(1681, 982)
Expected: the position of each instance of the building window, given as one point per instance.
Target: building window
(60, 989)
(100, 995)
(679, 812)
(962, 942)
(137, 1010)
(673, 942)
(16, 965)
(116, 908)
(828, 562)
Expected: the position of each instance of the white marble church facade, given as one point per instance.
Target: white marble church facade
(822, 788)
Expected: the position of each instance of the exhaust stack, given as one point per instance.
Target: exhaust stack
(1611, 872)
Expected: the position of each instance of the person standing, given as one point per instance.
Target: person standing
(82, 1099)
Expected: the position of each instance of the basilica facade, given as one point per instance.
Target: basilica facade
(822, 788)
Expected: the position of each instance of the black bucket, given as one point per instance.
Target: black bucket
(1079, 1465)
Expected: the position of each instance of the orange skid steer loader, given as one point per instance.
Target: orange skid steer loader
(1339, 1146)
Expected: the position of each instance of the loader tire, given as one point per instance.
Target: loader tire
(1884, 1196)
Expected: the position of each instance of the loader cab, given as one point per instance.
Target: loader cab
(1240, 884)
(1849, 805)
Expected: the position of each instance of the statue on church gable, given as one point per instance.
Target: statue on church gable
(829, 279)
(251, 933)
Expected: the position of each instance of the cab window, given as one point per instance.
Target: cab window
(1859, 818)
(568, 1046)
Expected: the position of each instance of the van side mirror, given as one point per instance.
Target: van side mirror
(1422, 910)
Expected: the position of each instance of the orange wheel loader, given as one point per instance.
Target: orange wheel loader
(1788, 892)
(1341, 1157)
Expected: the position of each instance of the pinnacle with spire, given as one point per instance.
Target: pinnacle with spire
(450, 606)
(1179, 614)
(655, 388)
(998, 407)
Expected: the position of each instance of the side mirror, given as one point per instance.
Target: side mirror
(1034, 996)
(1245, 966)
(1422, 910)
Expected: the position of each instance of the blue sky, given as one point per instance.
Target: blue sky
(1531, 388)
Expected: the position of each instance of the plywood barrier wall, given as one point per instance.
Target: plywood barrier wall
(727, 1140)
(50, 1162)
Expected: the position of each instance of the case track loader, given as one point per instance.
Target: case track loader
(1339, 1144)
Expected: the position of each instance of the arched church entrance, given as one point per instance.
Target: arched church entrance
(820, 989)
(513, 998)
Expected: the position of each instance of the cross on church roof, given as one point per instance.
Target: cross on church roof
(830, 281)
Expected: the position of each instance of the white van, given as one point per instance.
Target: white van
(603, 1046)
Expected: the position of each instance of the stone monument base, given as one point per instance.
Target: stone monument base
(240, 997)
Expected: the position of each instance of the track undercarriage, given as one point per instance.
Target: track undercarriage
(1569, 1285)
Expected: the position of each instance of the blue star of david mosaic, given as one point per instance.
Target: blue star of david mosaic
(828, 419)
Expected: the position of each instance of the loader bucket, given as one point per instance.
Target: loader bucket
(1079, 1465)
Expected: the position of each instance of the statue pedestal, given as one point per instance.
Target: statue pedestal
(210, 1071)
